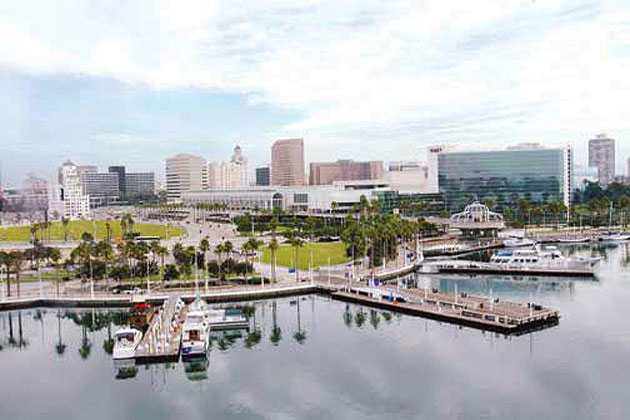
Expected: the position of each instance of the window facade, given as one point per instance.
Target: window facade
(539, 176)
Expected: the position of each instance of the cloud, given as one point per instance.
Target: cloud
(404, 71)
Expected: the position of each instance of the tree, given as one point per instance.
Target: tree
(299, 335)
(65, 222)
(60, 347)
(249, 247)
(276, 332)
(624, 204)
(55, 256)
(17, 262)
(6, 260)
(296, 242)
(218, 251)
(273, 248)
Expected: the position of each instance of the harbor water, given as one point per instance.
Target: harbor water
(314, 358)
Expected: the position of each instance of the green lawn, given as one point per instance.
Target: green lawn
(76, 229)
(321, 252)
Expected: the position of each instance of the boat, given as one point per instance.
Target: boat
(227, 319)
(126, 340)
(534, 261)
(196, 337)
(549, 257)
(519, 242)
(574, 240)
(614, 237)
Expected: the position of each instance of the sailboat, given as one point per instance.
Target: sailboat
(613, 236)
(196, 328)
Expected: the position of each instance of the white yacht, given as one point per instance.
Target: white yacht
(613, 237)
(227, 319)
(515, 242)
(196, 337)
(126, 341)
(537, 258)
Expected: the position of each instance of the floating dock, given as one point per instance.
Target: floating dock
(468, 268)
(472, 311)
(162, 340)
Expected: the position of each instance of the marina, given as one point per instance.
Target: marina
(292, 335)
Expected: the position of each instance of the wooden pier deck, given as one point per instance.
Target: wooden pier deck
(162, 341)
(473, 311)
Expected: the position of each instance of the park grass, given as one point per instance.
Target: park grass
(321, 252)
(76, 229)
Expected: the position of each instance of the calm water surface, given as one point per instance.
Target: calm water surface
(326, 359)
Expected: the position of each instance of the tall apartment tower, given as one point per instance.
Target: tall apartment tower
(601, 154)
(324, 173)
(185, 173)
(287, 162)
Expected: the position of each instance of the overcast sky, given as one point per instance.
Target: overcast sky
(132, 82)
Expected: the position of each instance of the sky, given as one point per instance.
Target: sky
(133, 82)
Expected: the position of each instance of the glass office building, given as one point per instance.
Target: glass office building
(537, 174)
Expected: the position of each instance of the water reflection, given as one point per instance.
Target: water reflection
(342, 361)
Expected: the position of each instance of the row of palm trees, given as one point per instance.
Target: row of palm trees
(378, 236)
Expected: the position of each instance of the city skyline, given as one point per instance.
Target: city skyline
(381, 79)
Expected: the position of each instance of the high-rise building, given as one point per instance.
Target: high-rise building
(408, 176)
(539, 175)
(287, 162)
(69, 199)
(103, 188)
(325, 173)
(122, 178)
(232, 175)
(601, 154)
(185, 172)
(263, 176)
(234, 172)
(139, 183)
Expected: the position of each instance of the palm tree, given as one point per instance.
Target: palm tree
(60, 348)
(17, 261)
(273, 248)
(6, 260)
(162, 252)
(299, 336)
(86, 345)
(65, 222)
(276, 332)
(228, 248)
(108, 343)
(250, 246)
(55, 256)
(204, 247)
(219, 250)
(104, 250)
(296, 242)
(108, 232)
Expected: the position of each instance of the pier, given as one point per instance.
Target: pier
(472, 311)
(162, 340)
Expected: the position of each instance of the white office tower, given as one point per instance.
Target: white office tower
(68, 198)
(232, 175)
(185, 173)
